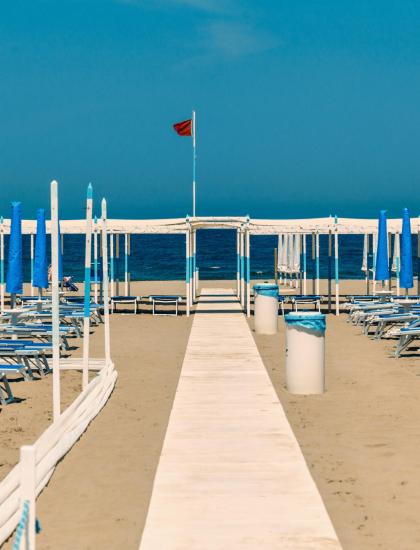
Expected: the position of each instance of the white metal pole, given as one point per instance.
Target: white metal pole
(248, 274)
(95, 259)
(191, 269)
(126, 264)
(32, 263)
(238, 262)
(337, 275)
(187, 271)
(194, 262)
(241, 236)
(105, 286)
(28, 492)
(317, 261)
(304, 262)
(194, 160)
(88, 263)
(55, 303)
(111, 261)
(2, 267)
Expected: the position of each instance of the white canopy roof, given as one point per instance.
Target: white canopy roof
(255, 226)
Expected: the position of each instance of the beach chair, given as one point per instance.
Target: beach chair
(408, 335)
(385, 322)
(6, 394)
(32, 356)
(133, 300)
(306, 300)
(165, 300)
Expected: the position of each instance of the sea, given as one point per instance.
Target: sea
(162, 257)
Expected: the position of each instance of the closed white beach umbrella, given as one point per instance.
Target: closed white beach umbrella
(296, 254)
(365, 253)
(290, 253)
(284, 254)
(396, 254)
(279, 252)
(374, 249)
(396, 260)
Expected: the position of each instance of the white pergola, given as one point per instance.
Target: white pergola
(245, 227)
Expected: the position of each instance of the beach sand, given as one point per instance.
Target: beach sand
(360, 439)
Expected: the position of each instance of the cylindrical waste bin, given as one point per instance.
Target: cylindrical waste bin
(305, 352)
(266, 308)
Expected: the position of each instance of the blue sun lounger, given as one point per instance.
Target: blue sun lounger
(407, 335)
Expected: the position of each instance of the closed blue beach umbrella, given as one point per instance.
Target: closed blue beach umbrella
(406, 275)
(14, 279)
(382, 259)
(40, 264)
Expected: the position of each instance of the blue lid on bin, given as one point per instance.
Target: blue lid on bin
(267, 289)
(306, 319)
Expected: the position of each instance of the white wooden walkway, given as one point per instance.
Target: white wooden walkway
(231, 474)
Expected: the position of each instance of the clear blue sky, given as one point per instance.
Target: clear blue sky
(304, 108)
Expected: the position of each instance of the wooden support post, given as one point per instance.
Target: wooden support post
(28, 492)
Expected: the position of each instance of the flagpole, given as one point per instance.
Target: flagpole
(194, 160)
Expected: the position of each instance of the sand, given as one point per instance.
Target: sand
(360, 439)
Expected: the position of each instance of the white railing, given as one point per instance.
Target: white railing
(52, 445)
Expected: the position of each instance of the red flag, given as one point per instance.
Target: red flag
(184, 128)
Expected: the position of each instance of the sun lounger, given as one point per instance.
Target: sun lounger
(305, 301)
(407, 335)
(165, 300)
(386, 321)
(134, 300)
(6, 394)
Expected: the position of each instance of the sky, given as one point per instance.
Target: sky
(304, 107)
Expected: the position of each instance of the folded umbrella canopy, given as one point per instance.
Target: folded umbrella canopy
(406, 274)
(279, 252)
(14, 279)
(382, 259)
(40, 264)
(296, 254)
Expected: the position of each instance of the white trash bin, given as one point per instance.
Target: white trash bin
(266, 307)
(305, 352)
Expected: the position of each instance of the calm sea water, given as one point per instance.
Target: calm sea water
(162, 257)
